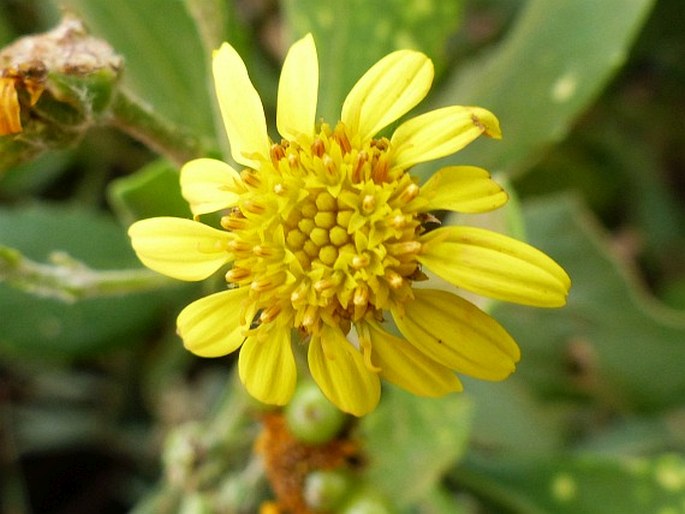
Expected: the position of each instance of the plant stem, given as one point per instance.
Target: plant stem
(141, 122)
(68, 279)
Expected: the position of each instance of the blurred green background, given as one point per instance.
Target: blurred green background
(590, 98)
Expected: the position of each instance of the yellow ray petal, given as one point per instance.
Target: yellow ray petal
(463, 189)
(495, 265)
(457, 334)
(339, 370)
(439, 133)
(209, 185)
(406, 366)
(298, 90)
(389, 89)
(180, 248)
(210, 326)
(267, 367)
(241, 107)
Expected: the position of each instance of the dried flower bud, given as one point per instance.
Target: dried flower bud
(53, 87)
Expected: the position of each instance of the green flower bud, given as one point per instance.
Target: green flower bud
(325, 489)
(366, 501)
(311, 418)
(196, 503)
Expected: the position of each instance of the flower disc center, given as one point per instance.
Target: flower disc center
(327, 231)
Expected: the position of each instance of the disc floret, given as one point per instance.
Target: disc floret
(326, 233)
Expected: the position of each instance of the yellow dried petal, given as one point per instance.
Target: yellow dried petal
(266, 366)
(439, 133)
(10, 121)
(180, 248)
(209, 185)
(462, 189)
(456, 333)
(210, 326)
(495, 265)
(389, 89)
(339, 370)
(298, 90)
(241, 107)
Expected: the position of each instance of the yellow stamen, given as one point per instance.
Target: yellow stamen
(310, 316)
(239, 246)
(267, 283)
(234, 223)
(407, 247)
(368, 204)
(318, 147)
(237, 274)
(270, 313)
(360, 261)
(361, 296)
(394, 279)
(277, 152)
(357, 172)
(250, 177)
(253, 207)
(409, 193)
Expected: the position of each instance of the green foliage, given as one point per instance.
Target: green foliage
(153, 190)
(611, 341)
(351, 36)
(45, 328)
(166, 64)
(592, 421)
(543, 74)
(582, 485)
(412, 441)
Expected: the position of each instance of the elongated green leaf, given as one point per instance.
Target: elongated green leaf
(165, 62)
(351, 36)
(612, 340)
(412, 441)
(46, 328)
(549, 67)
(152, 191)
(580, 485)
(507, 418)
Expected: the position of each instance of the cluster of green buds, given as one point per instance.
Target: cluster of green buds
(53, 87)
(313, 420)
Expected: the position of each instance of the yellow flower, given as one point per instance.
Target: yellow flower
(327, 233)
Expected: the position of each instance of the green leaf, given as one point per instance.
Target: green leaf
(508, 419)
(638, 435)
(34, 176)
(351, 36)
(410, 442)
(6, 30)
(440, 500)
(580, 485)
(45, 328)
(154, 190)
(612, 341)
(165, 61)
(554, 61)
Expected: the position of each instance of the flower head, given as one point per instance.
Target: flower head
(327, 233)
